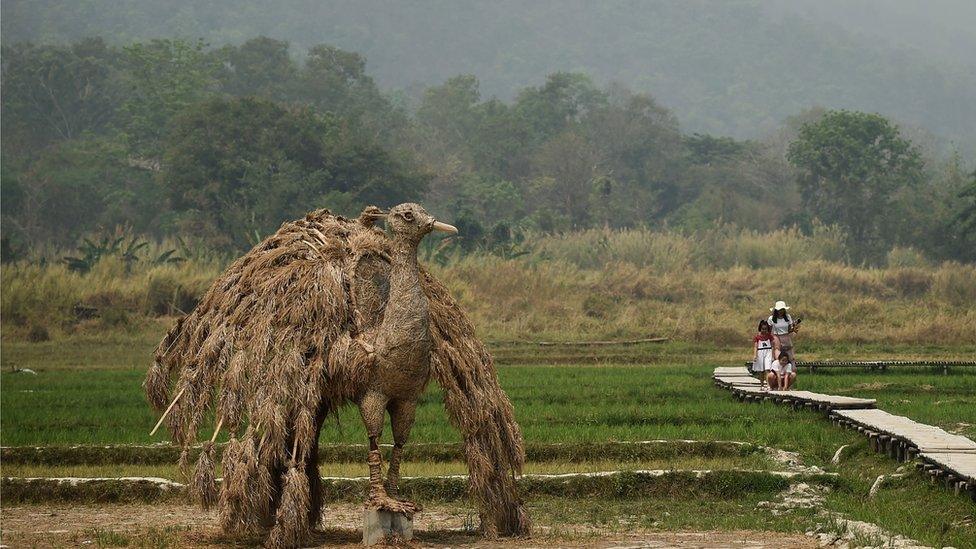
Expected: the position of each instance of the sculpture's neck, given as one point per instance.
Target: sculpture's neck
(405, 320)
(404, 271)
(406, 313)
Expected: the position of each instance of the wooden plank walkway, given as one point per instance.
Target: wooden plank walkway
(727, 382)
(945, 365)
(945, 456)
(901, 437)
(745, 387)
(801, 399)
(731, 371)
(957, 470)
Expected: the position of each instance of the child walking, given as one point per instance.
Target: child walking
(762, 351)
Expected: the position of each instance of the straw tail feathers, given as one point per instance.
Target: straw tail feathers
(479, 408)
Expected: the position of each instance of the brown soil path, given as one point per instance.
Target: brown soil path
(187, 526)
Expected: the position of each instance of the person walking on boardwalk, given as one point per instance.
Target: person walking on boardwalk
(762, 351)
(783, 327)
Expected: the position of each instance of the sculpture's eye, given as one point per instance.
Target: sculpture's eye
(408, 216)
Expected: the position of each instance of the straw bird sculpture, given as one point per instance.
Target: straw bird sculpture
(330, 311)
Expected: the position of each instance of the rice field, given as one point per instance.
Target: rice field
(553, 404)
(70, 402)
(87, 392)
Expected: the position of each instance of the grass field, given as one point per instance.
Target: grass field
(561, 403)
(87, 391)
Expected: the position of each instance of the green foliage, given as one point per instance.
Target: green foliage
(852, 165)
(126, 248)
(76, 187)
(565, 98)
(170, 138)
(261, 66)
(961, 233)
(164, 76)
(234, 168)
(739, 70)
(56, 93)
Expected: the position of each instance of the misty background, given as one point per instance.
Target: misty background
(513, 118)
(735, 68)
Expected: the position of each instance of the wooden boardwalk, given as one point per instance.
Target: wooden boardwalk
(731, 371)
(902, 438)
(745, 387)
(943, 455)
(956, 469)
(944, 365)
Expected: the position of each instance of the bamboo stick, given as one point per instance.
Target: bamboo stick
(220, 423)
(166, 413)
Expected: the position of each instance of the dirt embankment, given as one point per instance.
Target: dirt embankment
(187, 526)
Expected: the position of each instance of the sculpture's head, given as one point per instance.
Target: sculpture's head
(411, 222)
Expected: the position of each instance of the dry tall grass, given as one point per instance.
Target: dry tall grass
(712, 287)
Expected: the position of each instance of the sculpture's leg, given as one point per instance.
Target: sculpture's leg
(401, 419)
(312, 469)
(372, 408)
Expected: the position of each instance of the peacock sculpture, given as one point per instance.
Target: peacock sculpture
(330, 311)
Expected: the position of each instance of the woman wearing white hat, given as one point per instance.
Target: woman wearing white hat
(783, 329)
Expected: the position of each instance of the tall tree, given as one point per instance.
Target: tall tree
(261, 66)
(567, 171)
(563, 100)
(236, 168)
(164, 77)
(55, 93)
(335, 80)
(851, 166)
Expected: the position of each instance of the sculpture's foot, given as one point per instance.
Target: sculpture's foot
(379, 499)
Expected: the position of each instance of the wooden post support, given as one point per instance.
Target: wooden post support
(883, 443)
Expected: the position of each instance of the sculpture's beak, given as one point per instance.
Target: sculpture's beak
(376, 213)
(444, 227)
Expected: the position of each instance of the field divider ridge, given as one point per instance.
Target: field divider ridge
(622, 484)
(166, 454)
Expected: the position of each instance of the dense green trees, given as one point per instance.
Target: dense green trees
(175, 137)
(853, 167)
(736, 67)
(55, 93)
(234, 169)
(150, 136)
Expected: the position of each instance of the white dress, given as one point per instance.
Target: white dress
(764, 356)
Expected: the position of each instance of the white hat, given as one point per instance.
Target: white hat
(779, 305)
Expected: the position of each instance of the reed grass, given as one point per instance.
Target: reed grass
(710, 287)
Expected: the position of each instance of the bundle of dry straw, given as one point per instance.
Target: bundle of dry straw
(270, 349)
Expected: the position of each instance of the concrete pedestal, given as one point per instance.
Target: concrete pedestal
(380, 525)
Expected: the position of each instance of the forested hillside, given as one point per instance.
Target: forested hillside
(728, 68)
(174, 138)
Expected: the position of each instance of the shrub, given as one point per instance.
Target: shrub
(906, 257)
(166, 294)
(955, 284)
(908, 282)
(38, 333)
